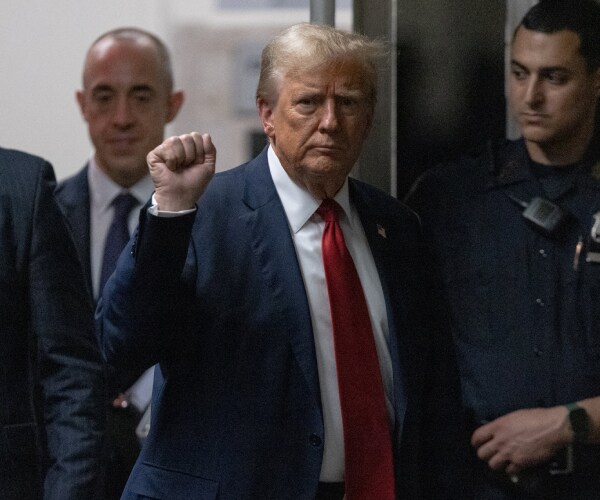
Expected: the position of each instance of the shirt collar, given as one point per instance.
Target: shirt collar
(103, 189)
(299, 205)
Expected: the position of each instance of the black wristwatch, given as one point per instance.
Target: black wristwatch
(580, 422)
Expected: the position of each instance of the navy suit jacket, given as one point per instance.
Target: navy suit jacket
(217, 298)
(51, 377)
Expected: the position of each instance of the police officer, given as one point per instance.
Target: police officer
(516, 233)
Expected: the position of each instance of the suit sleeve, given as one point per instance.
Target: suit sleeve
(71, 375)
(144, 302)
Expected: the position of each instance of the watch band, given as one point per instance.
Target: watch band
(579, 421)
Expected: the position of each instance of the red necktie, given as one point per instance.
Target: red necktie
(367, 442)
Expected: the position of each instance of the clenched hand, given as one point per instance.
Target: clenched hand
(181, 168)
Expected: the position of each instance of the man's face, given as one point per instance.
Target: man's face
(551, 93)
(318, 125)
(126, 102)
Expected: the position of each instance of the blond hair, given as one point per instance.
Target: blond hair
(305, 47)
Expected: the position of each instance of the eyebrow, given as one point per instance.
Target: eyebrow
(146, 88)
(102, 87)
(351, 92)
(543, 69)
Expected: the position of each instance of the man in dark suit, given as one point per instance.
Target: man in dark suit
(225, 286)
(126, 100)
(51, 376)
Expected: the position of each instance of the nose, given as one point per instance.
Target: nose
(534, 94)
(329, 119)
(123, 113)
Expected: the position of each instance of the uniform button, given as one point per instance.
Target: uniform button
(315, 440)
(538, 352)
(540, 302)
(543, 253)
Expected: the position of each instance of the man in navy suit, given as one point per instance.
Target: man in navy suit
(224, 286)
(127, 99)
(51, 376)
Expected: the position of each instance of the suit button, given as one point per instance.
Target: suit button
(315, 440)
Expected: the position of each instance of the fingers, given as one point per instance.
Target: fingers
(182, 151)
(497, 460)
(181, 169)
(494, 450)
(513, 469)
(179, 152)
(487, 447)
(210, 152)
(482, 435)
(489, 452)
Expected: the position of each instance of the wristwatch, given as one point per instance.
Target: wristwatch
(580, 422)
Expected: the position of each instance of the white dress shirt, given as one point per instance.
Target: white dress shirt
(103, 190)
(307, 228)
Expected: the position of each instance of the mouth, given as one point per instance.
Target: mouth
(122, 142)
(532, 117)
(327, 148)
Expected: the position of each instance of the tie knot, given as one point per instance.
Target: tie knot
(329, 210)
(123, 204)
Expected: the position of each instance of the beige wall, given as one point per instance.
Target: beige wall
(43, 43)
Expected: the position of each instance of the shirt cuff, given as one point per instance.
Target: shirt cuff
(154, 210)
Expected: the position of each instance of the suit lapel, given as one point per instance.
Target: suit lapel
(74, 196)
(377, 231)
(268, 232)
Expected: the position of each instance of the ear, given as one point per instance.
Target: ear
(265, 111)
(80, 96)
(174, 105)
(369, 120)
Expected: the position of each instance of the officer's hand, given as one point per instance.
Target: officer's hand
(522, 438)
(181, 168)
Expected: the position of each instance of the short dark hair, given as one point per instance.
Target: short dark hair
(579, 16)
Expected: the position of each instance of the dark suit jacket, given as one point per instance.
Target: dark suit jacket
(218, 299)
(73, 194)
(51, 377)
